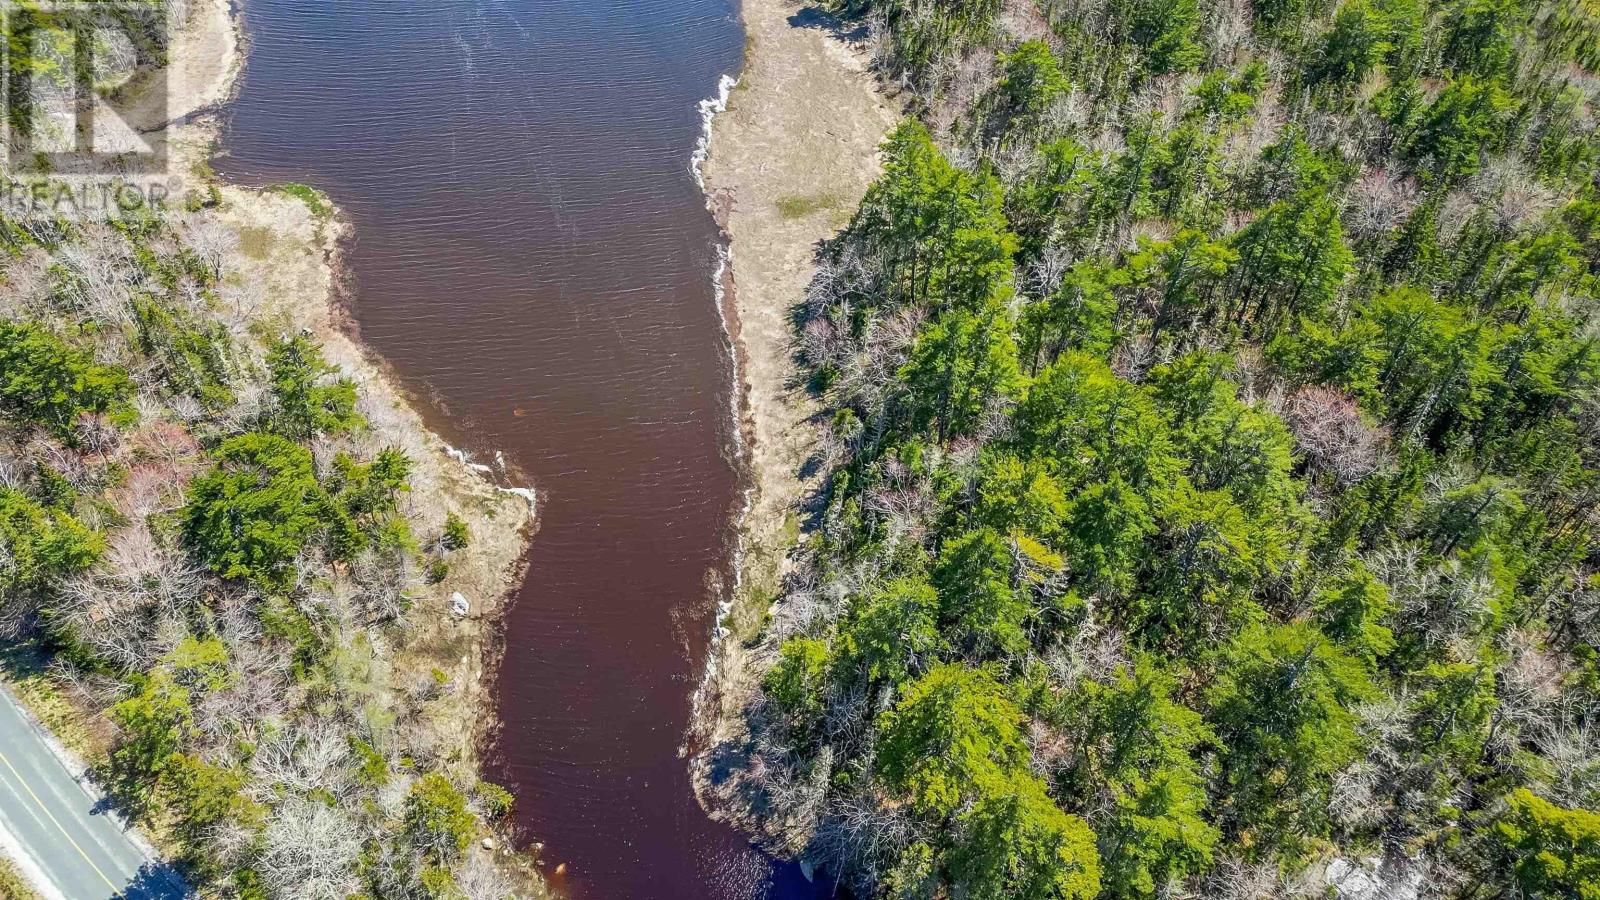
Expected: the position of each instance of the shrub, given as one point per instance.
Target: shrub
(456, 536)
(1552, 851)
(797, 684)
(438, 883)
(495, 801)
(155, 721)
(372, 768)
(438, 571)
(364, 498)
(437, 818)
(206, 796)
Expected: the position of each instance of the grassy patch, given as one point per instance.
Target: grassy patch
(763, 565)
(203, 171)
(791, 531)
(12, 886)
(255, 242)
(796, 206)
(314, 199)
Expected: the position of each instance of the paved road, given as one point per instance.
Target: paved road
(51, 820)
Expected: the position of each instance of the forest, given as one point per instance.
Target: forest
(1211, 453)
(213, 565)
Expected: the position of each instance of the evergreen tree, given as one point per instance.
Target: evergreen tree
(1282, 709)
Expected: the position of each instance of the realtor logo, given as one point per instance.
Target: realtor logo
(83, 87)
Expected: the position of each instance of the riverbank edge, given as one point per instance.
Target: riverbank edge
(297, 259)
(501, 517)
(500, 511)
(789, 160)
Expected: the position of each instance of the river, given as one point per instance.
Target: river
(533, 258)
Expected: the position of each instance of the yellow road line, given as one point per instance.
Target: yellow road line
(18, 776)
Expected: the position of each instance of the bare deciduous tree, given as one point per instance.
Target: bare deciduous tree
(309, 850)
(95, 275)
(1228, 30)
(1514, 197)
(302, 759)
(1329, 430)
(213, 243)
(1380, 201)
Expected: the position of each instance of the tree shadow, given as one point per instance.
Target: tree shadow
(724, 760)
(22, 659)
(155, 881)
(820, 19)
(729, 766)
(731, 774)
(125, 796)
(814, 503)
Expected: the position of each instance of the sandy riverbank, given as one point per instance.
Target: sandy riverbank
(789, 161)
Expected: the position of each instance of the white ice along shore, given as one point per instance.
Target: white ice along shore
(709, 108)
(465, 458)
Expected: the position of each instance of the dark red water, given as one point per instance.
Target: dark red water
(532, 254)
